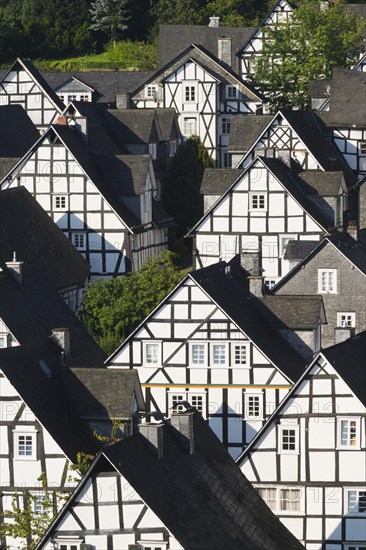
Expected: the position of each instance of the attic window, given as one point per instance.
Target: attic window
(25, 447)
(362, 148)
(231, 92)
(151, 92)
(60, 202)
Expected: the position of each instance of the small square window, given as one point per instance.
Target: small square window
(25, 445)
(79, 240)
(346, 320)
(150, 91)
(198, 354)
(269, 495)
(269, 283)
(362, 148)
(290, 499)
(190, 126)
(288, 439)
(356, 501)
(190, 93)
(218, 354)
(197, 400)
(84, 98)
(228, 160)
(327, 281)
(60, 202)
(231, 92)
(225, 125)
(253, 406)
(240, 354)
(258, 201)
(152, 353)
(71, 97)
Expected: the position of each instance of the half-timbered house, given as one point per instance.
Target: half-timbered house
(208, 343)
(266, 205)
(27, 232)
(336, 270)
(309, 461)
(49, 406)
(23, 85)
(204, 92)
(106, 204)
(170, 486)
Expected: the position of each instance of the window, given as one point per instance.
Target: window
(25, 445)
(348, 432)
(62, 97)
(346, 320)
(3, 340)
(84, 98)
(258, 201)
(362, 148)
(227, 160)
(152, 150)
(284, 240)
(218, 352)
(197, 400)
(152, 353)
(240, 354)
(198, 354)
(60, 202)
(68, 545)
(281, 499)
(269, 283)
(150, 91)
(172, 148)
(225, 125)
(40, 506)
(79, 240)
(288, 439)
(253, 406)
(357, 547)
(189, 93)
(327, 281)
(190, 126)
(71, 97)
(356, 501)
(231, 92)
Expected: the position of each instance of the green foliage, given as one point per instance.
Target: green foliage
(179, 12)
(23, 521)
(113, 308)
(109, 16)
(182, 197)
(236, 13)
(305, 48)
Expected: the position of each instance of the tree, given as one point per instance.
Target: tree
(179, 12)
(109, 16)
(113, 308)
(305, 48)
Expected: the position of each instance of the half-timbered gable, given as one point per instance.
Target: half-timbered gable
(348, 126)
(23, 85)
(74, 89)
(309, 461)
(29, 233)
(204, 95)
(48, 413)
(103, 203)
(126, 499)
(208, 344)
(335, 269)
(253, 48)
(262, 209)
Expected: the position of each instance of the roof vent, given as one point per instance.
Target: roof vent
(214, 21)
(16, 269)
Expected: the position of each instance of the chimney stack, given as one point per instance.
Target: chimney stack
(352, 229)
(250, 261)
(61, 337)
(214, 21)
(16, 269)
(154, 433)
(183, 422)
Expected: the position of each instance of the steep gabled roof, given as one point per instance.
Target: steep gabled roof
(32, 309)
(134, 125)
(293, 312)
(216, 181)
(37, 240)
(17, 132)
(245, 130)
(173, 39)
(201, 497)
(168, 123)
(299, 249)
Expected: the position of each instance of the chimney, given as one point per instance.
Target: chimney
(342, 333)
(16, 269)
(224, 50)
(123, 101)
(183, 422)
(214, 21)
(61, 337)
(154, 433)
(62, 121)
(352, 229)
(250, 261)
(284, 155)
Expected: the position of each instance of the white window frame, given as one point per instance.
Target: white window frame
(324, 287)
(276, 502)
(188, 126)
(191, 362)
(362, 148)
(220, 364)
(282, 434)
(225, 125)
(244, 345)
(61, 197)
(348, 445)
(77, 237)
(17, 434)
(228, 159)
(38, 507)
(158, 361)
(190, 91)
(193, 397)
(255, 200)
(249, 397)
(232, 92)
(346, 319)
(152, 544)
(351, 510)
(67, 543)
(71, 97)
(151, 91)
(355, 546)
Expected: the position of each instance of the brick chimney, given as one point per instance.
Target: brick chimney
(16, 269)
(154, 433)
(250, 261)
(214, 21)
(183, 422)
